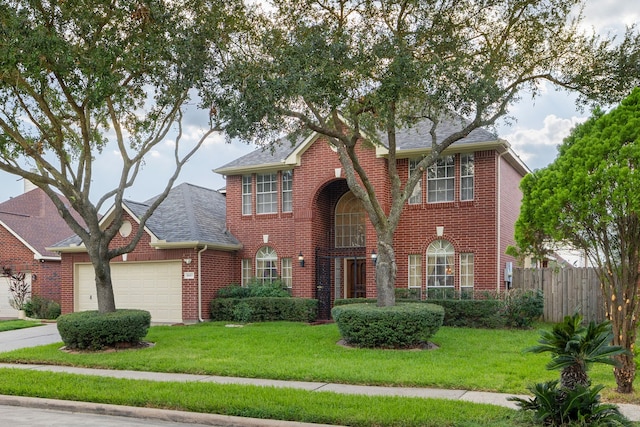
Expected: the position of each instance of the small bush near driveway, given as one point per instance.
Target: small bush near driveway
(91, 330)
(401, 326)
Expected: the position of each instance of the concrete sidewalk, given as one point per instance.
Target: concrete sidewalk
(48, 334)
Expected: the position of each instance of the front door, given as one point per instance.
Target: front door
(355, 275)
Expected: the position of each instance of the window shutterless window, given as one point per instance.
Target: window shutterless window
(440, 269)
(416, 195)
(287, 272)
(415, 271)
(466, 275)
(466, 176)
(441, 180)
(287, 191)
(266, 264)
(266, 193)
(246, 195)
(246, 272)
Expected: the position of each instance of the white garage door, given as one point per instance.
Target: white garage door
(152, 286)
(6, 311)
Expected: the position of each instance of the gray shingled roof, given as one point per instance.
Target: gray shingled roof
(414, 138)
(266, 155)
(189, 214)
(34, 217)
(418, 137)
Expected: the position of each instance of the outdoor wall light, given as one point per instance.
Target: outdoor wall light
(301, 259)
(374, 257)
(187, 261)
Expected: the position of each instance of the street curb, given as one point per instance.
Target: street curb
(166, 415)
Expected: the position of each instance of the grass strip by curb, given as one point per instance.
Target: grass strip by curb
(258, 402)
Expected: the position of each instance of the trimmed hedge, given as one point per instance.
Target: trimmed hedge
(255, 289)
(401, 326)
(91, 330)
(516, 309)
(486, 313)
(263, 309)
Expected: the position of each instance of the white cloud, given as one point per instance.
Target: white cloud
(536, 147)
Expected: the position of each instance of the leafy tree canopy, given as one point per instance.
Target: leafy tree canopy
(588, 199)
(76, 73)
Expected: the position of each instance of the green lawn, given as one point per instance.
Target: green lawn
(9, 325)
(473, 359)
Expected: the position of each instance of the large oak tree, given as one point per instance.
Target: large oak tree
(588, 199)
(74, 73)
(354, 68)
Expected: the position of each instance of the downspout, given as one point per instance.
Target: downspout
(499, 221)
(200, 283)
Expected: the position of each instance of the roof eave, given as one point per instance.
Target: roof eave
(227, 247)
(240, 170)
(68, 249)
(467, 147)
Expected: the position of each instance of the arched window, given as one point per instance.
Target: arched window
(440, 269)
(350, 222)
(266, 264)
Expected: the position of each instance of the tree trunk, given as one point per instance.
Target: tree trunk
(625, 373)
(386, 271)
(104, 286)
(574, 375)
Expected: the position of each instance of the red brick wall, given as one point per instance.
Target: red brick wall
(217, 271)
(511, 198)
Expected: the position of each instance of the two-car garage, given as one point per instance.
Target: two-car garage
(152, 286)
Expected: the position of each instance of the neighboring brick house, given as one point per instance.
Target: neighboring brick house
(294, 203)
(29, 223)
(183, 258)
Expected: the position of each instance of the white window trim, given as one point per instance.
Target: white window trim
(287, 191)
(469, 157)
(416, 195)
(415, 271)
(247, 196)
(441, 165)
(266, 199)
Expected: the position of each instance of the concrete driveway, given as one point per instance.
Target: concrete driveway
(29, 337)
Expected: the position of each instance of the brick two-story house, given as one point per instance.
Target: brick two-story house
(297, 220)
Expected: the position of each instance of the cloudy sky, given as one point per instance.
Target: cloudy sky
(540, 126)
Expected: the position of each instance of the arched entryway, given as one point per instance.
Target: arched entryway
(341, 262)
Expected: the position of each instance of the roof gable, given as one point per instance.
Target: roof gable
(190, 215)
(34, 220)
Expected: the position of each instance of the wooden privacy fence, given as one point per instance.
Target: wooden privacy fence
(565, 291)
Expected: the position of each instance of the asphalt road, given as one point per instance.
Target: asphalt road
(34, 417)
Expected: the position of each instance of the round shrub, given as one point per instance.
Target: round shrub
(401, 326)
(91, 330)
(522, 308)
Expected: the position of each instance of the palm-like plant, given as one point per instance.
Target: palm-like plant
(575, 348)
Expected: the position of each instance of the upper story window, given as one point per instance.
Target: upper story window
(416, 195)
(287, 191)
(266, 193)
(246, 195)
(266, 264)
(466, 176)
(441, 181)
(350, 222)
